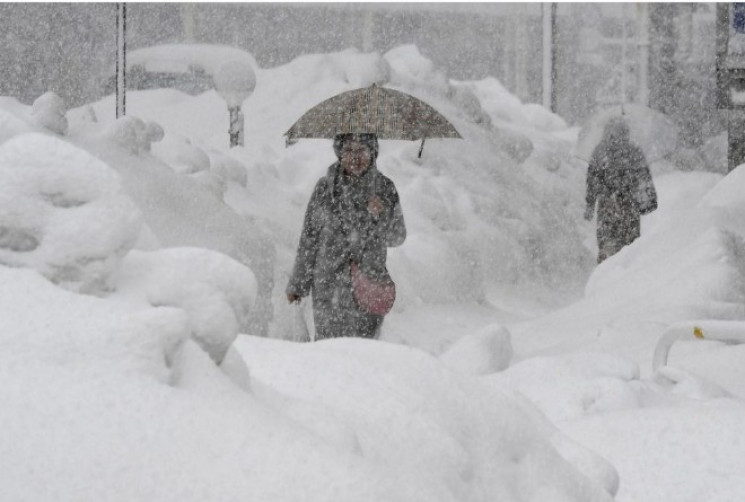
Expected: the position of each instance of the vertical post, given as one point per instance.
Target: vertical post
(623, 54)
(722, 40)
(121, 59)
(236, 126)
(521, 47)
(642, 93)
(546, 18)
(554, 55)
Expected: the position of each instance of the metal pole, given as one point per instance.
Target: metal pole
(236, 126)
(546, 9)
(642, 95)
(623, 54)
(121, 59)
(554, 55)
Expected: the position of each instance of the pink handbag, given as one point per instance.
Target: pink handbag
(372, 296)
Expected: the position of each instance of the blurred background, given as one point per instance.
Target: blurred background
(656, 54)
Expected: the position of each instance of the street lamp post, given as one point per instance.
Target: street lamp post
(121, 59)
(235, 81)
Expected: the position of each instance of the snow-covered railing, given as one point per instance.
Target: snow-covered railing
(721, 331)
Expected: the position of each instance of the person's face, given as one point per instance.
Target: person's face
(355, 158)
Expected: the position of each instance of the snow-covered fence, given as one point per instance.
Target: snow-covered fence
(721, 331)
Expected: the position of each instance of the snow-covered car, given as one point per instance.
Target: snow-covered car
(187, 67)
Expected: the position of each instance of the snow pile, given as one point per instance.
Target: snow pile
(488, 351)
(663, 434)
(49, 111)
(63, 213)
(215, 291)
(15, 119)
(582, 384)
(459, 438)
(688, 264)
(134, 134)
(120, 400)
(179, 153)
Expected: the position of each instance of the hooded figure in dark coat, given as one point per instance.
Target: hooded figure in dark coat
(354, 215)
(618, 178)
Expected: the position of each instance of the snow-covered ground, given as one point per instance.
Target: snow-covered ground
(142, 258)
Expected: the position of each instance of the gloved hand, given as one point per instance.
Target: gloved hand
(589, 213)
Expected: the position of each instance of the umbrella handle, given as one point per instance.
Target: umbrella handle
(421, 147)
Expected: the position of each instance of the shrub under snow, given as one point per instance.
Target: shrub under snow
(216, 291)
(49, 112)
(63, 212)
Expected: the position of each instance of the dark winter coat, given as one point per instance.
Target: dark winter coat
(337, 229)
(618, 178)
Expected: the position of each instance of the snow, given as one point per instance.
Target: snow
(147, 344)
(235, 81)
(179, 57)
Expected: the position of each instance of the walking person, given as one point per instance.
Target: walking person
(353, 216)
(619, 180)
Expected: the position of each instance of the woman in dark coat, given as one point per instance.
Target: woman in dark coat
(618, 178)
(354, 215)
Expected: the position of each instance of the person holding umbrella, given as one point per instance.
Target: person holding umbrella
(618, 178)
(353, 216)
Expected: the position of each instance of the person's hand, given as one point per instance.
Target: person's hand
(375, 206)
(589, 213)
(293, 298)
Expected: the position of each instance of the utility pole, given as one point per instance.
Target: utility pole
(624, 68)
(642, 41)
(121, 59)
(548, 15)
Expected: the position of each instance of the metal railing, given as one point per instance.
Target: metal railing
(721, 331)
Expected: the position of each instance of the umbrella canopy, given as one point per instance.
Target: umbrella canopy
(389, 114)
(654, 132)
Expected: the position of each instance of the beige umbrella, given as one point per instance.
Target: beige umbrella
(387, 113)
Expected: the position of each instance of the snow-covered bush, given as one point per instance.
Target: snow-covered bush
(63, 212)
(134, 134)
(181, 154)
(228, 168)
(11, 123)
(467, 101)
(484, 352)
(217, 185)
(216, 291)
(49, 112)
(409, 69)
